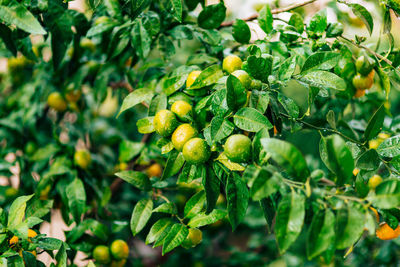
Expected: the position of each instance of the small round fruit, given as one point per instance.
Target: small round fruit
(364, 65)
(82, 158)
(182, 109)
(243, 77)
(362, 82)
(120, 263)
(194, 238)
(192, 77)
(14, 239)
(179, 96)
(384, 232)
(374, 181)
(256, 84)
(102, 254)
(30, 148)
(238, 148)
(119, 249)
(56, 101)
(102, 19)
(182, 134)
(196, 151)
(232, 63)
(165, 122)
(73, 95)
(374, 144)
(155, 170)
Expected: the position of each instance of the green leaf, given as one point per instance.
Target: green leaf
(296, 20)
(207, 77)
(212, 16)
(390, 147)
(158, 103)
(288, 156)
(76, 195)
(259, 67)
(174, 164)
(177, 9)
(334, 29)
(321, 61)
(369, 160)
(7, 36)
(241, 31)
(361, 12)
(17, 209)
(136, 97)
(264, 184)
(220, 128)
(318, 22)
(289, 220)
(195, 204)
(289, 105)
(324, 80)
(375, 124)
(321, 233)
(129, 149)
(141, 214)
(251, 120)
(349, 225)
(337, 157)
(385, 81)
(141, 40)
(387, 194)
(206, 219)
(16, 14)
(211, 185)
(135, 178)
(236, 93)
(287, 68)
(237, 196)
(161, 227)
(169, 208)
(265, 19)
(145, 125)
(177, 234)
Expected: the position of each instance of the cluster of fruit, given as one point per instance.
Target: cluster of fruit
(176, 122)
(15, 245)
(59, 102)
(364, 79)
(115, 255)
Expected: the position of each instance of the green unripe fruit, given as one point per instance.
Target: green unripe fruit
(231, 63)
(119, 249)
(182, 134)
(243, 77)
(196, 151)
(364, 65)
(102, 254)
(194, 238)
(238, 148)
(30, 148)
(362, 82)
(182, 109)
(165, 122)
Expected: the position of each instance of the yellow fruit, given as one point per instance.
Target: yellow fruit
(194, 238)
(363, 82)
(109, 105)
(11, 192)
(359, 93)
(123, 166)
(374, 181)
(182, 110)
(73, 95)
(384, 232)
(119, 249)
(102, 254)
(155, 170)
(56, 101)
(14, 239)
(88, 44)
(231, 63)
(376, 213)
(196, 151)
(243, 77)
(383, 136)
(192, 77)
(182, 134)
(82, 158)
(165, 122)
(374, 144)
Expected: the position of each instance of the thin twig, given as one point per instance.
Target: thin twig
(369, 50)
(274, 11)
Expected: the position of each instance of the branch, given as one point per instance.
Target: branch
(369, 50)
(274, 11)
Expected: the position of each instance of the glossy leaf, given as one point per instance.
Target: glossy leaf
(140, 215)
(175, 237)
(238, 197)
(135, 178)
(321, 233)
(251, 120)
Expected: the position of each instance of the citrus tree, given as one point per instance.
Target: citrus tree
(288, 126)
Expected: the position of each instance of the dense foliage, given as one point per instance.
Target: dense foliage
(164, 122)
